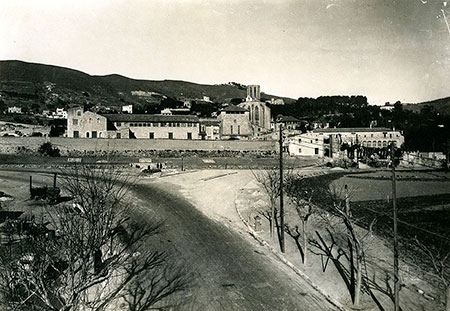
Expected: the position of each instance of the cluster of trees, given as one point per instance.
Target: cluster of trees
(89, 254)
(343, 238)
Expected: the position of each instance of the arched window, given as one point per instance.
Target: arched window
(379, 143)
(257, 115)
(263, 111)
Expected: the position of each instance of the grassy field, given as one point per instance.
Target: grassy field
(423, 208)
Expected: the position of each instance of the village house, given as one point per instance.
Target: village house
(127, 109)
(14, 109)
(209, 129)
(288, 123)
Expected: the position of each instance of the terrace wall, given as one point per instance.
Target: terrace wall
(10, 145)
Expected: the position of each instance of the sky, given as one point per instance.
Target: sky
(387, 50)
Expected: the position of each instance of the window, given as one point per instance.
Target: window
(151, 135)
(76, 134)
(384, 143)
(379, 143)
(189, 135)
(78, 113)
(239, 129)
(316, 150)
(87, 134)
(231, 128)
(118, 135)
(100, 134)
(170, 135)
(118, 123)
(94, 134)
(75, 121)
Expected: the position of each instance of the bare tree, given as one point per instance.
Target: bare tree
(93, 253)
(270, 183)
(301, 191)
(339, 197)
(439, 259)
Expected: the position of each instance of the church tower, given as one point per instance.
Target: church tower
(253, 93)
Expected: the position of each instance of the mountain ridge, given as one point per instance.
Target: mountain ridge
(114, 83)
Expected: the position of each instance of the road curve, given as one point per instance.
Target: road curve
(231, 272)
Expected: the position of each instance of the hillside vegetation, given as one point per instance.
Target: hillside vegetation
(31, 80)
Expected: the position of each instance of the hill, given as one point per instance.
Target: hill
(41, 82)
(441, 105)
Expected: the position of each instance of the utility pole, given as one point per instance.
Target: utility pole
(394, 205)
(281, 191)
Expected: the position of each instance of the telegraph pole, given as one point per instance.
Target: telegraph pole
(281, 191)
(394, 205)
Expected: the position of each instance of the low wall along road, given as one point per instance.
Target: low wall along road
(67, 145)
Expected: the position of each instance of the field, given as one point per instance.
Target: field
(423, 208)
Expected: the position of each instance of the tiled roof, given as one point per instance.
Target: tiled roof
(353, 130)
(234, 108)
(209, 122)
(150, 118)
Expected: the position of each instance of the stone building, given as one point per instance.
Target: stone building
(235, 123)
(259, 113)
(209, 129)
(87, 124)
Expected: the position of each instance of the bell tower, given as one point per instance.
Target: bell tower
(253, 92)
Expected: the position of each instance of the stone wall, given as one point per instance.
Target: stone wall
(66, 145)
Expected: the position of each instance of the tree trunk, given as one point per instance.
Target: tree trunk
(305, 242)
(358, 277)
(272, 217)
(447, 300)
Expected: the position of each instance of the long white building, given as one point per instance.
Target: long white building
(327, 142)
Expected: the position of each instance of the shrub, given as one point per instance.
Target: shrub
(48, 150)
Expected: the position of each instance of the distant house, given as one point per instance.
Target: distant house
(127, 109)
(273, 101)
(60, 113)
(288, 122)
(14, 109)
(387, 107)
